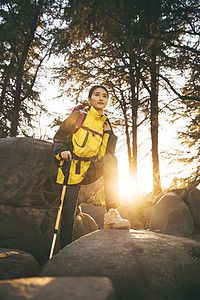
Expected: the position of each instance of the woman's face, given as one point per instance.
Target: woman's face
(99, 99)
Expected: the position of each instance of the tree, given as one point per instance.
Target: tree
(25, 43)
(191, 136)
(135, 42)
(119, 58)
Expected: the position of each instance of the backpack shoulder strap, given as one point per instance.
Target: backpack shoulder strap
(83, 111)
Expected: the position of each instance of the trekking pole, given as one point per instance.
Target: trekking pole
(57, 221)
(60, 210)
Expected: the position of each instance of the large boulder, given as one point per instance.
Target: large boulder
(192, 199)
(70, 288)
(171, 216)
(141, 264)
(83, 225)
(96, 212)
(29, 195)
(28, 173)
(22, 233)
(132, 212)
(17, 264)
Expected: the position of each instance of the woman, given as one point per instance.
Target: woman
(84, 146)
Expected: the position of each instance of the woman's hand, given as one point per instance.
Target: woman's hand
(106, 126)
(66, 155)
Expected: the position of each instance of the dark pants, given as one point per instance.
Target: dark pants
(107, 167)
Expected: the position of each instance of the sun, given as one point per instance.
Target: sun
(127, 188)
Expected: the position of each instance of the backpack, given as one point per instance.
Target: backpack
(79, 108)
(83, 110)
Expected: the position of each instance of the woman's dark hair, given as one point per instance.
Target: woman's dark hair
(96, 87)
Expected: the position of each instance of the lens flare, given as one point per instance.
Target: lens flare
(127, 188)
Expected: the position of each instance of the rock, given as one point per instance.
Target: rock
(178, 191)
(147, 215)
(70, 288)
(96, 212)
(171, 216)
(28, 173)
(141, 264)
(83, 224)
(192, 196)
(132, 213)
(16, 264)
(29, 195)
(22, 233)
(136, 224)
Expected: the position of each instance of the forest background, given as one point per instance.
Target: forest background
(146, 52)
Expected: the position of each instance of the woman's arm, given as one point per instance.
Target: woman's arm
(62, 141)
(112, 140)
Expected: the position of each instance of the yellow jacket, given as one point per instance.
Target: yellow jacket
(88, 143)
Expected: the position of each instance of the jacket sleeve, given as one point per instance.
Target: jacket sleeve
(62, 140)
(112, 141)
(108, 144)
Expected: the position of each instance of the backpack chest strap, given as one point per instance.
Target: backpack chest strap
(92, 131)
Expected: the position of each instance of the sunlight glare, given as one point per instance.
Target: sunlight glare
(127, 188)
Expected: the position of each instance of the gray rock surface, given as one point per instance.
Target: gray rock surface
(28, 173)
(29, 196)
(64, 288)
(131, 212)
(192, 199)
(96, 212)
(83, 224)
(141, 264)
(21, 232)
(16, 264)
(171, 216)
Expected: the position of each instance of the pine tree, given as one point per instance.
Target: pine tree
(25, 43)
(130, 46)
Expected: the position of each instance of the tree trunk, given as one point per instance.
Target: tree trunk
(124, 109)
(134, 108)
(20, 73)
(3, 92)
(5, 83)
(154, 123)
(16, 109)
(128, 143)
